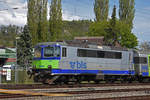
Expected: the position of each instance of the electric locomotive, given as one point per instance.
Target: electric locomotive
(62, 62)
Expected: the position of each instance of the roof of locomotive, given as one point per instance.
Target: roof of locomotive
(83, 44)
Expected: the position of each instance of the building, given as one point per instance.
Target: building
(7, 56)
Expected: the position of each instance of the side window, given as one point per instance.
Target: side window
(113, 55)
(144, 60)
(109, 54)
(118, 55)
(64, 52)
(140, 60)
(136, 60)
(100, 54)
(82, 53)
(91, 53)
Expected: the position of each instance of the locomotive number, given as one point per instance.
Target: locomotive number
(78, 65)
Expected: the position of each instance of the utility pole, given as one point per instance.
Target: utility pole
(16, 67)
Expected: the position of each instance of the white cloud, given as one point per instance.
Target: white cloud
(6, 16)
(68, 16)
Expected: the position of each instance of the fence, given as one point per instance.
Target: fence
(17, 75)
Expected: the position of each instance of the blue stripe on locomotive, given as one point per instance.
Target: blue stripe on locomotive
(145, 74)
(145, 68)
(104, 72)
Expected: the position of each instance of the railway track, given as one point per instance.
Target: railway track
(133, 91)
(42, 86)
(6, 96)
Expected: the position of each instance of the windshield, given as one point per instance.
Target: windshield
(51, 51)
(37, 52)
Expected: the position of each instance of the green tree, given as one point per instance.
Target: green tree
(112, 32)
(24, 48)
(127, 39)
(32, 20)
(8, 34)
(37, 20)
(42, 30)
(55, 21)
(101, 8)
(98, 29)
(126, 11)
(75, 28)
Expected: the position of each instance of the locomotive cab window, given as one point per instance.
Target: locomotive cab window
(51, 51)
(64, 52)
(140, 60)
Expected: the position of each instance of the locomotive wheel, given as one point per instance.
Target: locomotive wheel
(45, 81)
(36, 78)
(97, 81)
(79, 80)
(110, 81)
(140, 79)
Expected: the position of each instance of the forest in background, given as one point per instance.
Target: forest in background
(70, 30)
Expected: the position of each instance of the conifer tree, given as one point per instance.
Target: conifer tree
(24, 48)
(112, 32)
(126, 11)
(55, 21)
(101, 8)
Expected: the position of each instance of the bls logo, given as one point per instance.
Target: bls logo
(78, 65)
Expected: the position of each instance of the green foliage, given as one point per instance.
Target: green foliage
(55, 21)
(24, 49)
(112, 32)
(42, 30)
(8, 34)
(32, 19)
(119, 33)
(128, 39)
(116, 30)
(126, 11)
(74, 28)
(37, 20)
(113, 17)
(98, 29)
(101, 8)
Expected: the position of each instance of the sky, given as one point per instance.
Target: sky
(78, 10)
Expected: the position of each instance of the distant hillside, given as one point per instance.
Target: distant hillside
(8, 34)
(75, 28)
(70, 30)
